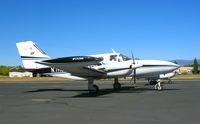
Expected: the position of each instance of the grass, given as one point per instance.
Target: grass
(3, 76)
(187, 77)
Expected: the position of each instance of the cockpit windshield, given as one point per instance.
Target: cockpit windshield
(119, 58)
(125, 58)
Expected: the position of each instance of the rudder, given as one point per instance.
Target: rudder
(31, 53)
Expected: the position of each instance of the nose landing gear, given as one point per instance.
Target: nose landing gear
(158, 86)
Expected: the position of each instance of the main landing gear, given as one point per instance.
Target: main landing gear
(93, 89)
(116, 85)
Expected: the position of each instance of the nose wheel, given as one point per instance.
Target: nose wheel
(158, 86)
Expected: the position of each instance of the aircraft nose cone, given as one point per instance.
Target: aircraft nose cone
(177, 66)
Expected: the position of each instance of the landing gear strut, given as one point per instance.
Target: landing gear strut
(116, 85)
(93, 89)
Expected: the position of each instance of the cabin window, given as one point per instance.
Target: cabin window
(113, 58)
(120, 59)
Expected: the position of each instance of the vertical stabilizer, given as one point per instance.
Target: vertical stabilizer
(31, 53)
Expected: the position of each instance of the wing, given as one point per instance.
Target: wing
(76, 65)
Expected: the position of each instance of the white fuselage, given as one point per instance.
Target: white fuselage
(150, 68)
(153, 68)
(120, 68)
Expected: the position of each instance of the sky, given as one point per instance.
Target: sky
(152, 29)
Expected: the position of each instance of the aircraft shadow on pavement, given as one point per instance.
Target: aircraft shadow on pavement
(102, 92)
(47, 90)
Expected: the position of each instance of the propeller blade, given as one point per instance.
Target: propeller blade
(134, 71)
(131, 80)
(134, 76)
(133, 57)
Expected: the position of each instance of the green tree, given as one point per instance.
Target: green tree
(18, 66)
(195, 66)
(175, 62)
(4, 70)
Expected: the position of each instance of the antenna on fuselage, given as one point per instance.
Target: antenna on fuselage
(113, 50)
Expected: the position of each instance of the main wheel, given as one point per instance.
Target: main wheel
(117, 86)
(95, 91)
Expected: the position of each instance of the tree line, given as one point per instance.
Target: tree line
(4, 70)
(195, 66)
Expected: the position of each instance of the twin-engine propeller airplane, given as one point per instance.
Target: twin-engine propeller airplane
(94, 67)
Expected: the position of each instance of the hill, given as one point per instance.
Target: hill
(185, 62)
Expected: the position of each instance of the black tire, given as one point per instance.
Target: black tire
(159, 88)
(94, 91)
(117, 86)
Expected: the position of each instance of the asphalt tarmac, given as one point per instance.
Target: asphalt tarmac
(68, 102)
